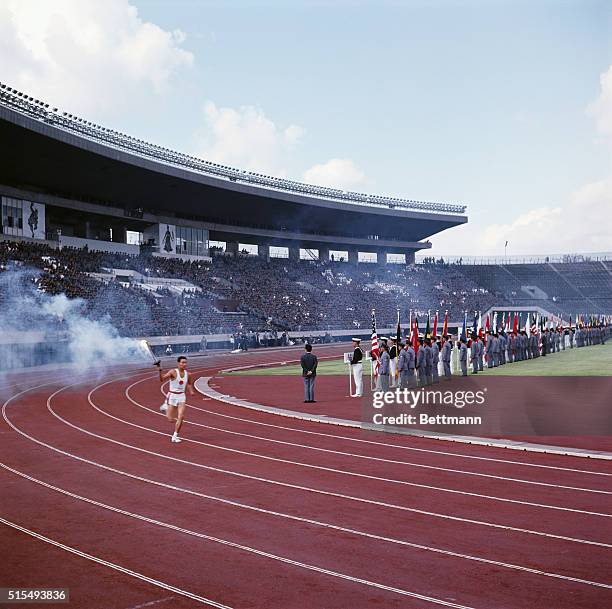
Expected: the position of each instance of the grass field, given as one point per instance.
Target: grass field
(587, 361)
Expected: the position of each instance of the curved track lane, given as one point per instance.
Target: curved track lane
(254, 511)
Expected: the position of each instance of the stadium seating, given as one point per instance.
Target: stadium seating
(235, 294)
(568, 287)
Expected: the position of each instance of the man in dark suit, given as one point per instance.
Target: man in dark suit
(309, 364)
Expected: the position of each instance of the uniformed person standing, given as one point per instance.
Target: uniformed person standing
(495, 350)
(402, 366)
(463, 357)
(428, 362)
(503, 345)
(523, 344)
(435, 360)
(385, 368)
(357, 368)
(510, 347)
(562, 337)
(393, 363)
(533, 345)
(489, 350)
(474, 354)
(480, 355)
(411, 365)
(551, 341)
(420, 365)
(446, 357)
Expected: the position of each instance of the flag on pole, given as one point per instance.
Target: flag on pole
(427, 328)
(475, 325)
(398, 331)
(398, 341)
(527, 326)
(464, 328)
(480, 324)
(445, 326)
(435, 326)
(375, 352)
(415, 335)
(409, 337)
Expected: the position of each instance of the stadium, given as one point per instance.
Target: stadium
(458, 451)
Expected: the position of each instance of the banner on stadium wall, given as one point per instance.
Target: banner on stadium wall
(34, 226)
(167, 239)
(23, 218)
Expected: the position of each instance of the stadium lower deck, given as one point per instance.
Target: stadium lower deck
(259, 511)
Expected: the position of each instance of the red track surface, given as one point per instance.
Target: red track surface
(259, 511)
(333, 400)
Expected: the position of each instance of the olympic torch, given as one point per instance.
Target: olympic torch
(144, 345)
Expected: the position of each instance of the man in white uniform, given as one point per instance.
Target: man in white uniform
(357, 368)
(179, 380)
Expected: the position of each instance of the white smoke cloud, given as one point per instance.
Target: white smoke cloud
(246, 138)
(90, 57)
(85, 342)
(336, 173)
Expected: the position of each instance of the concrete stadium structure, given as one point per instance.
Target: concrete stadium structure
(67, 180)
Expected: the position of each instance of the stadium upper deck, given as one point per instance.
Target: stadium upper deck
(112, 182)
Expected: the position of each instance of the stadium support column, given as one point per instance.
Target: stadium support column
(294, 252)
(353, 256)
(264, 251)
(410, 256)
(323, 253)
(231, 247)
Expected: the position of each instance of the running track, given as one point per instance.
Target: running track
(258, 511)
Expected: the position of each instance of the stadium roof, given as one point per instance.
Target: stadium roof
(58, 153)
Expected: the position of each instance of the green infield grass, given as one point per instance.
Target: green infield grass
(586, 361)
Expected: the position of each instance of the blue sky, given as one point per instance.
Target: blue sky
(497, 104)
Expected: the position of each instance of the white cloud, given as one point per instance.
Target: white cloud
(336, 173)
(583, 225)
(89, 57)
(246, 138)
(601, 108)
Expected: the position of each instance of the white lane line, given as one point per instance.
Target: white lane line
(201, 599)
(411, 448)
(321, 524)
(285, 560)
(289, 485)
(106, 563)
(273, 482)
(339, 471)
(375, 443)
(210, 390)
(151, 603)
(366, 457)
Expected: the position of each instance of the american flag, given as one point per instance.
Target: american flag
(375, 350)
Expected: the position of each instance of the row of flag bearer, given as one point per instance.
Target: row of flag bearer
(424, 358)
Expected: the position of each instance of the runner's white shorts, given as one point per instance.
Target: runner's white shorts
(176, 399)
